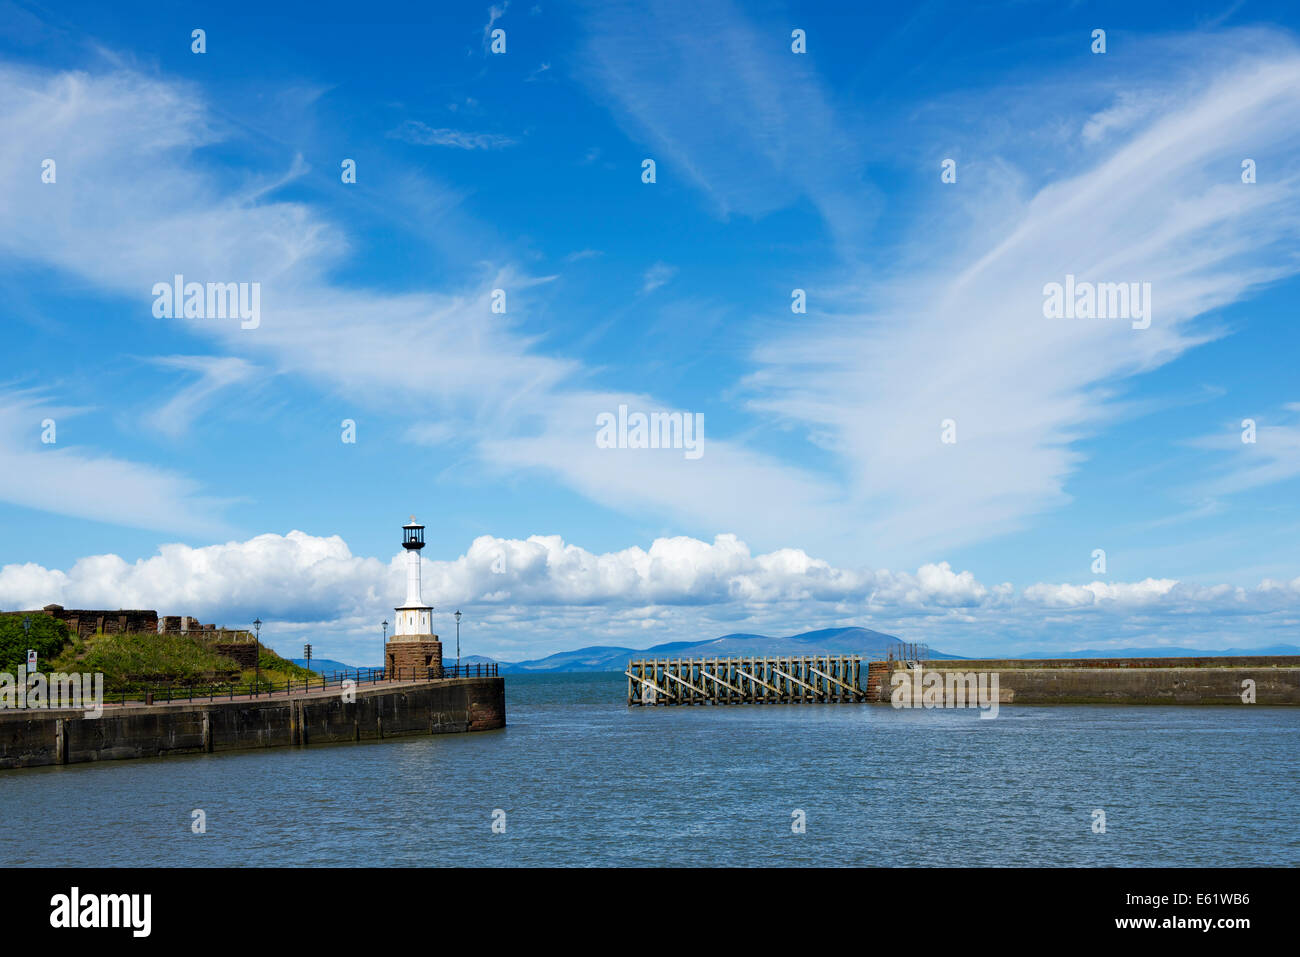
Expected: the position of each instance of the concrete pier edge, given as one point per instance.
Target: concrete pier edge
(1241, 680)
(441, 706)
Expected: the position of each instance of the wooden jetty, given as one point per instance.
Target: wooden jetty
(805, 680)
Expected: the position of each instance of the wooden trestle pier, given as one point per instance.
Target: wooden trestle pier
(806, 680)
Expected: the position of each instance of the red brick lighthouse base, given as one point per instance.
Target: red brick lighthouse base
(411, 656)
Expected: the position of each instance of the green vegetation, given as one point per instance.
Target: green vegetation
(277, 670)
(136, 660)
(48, 637)
(133, 659)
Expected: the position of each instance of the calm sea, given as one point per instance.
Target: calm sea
(584, 780)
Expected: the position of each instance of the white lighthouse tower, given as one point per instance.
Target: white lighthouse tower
(414, 616)
(414, 651)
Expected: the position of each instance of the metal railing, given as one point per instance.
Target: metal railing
(907, 651)
(481, 670)
(164, 694)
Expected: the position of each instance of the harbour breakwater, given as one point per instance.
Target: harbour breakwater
(1264, 679)
(441, 706)
(957, 682)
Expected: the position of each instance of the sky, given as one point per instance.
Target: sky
(839, 271)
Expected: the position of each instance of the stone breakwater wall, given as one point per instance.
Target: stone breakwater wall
(1276, 679)
(35, 738)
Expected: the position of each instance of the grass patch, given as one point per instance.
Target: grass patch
(135, 659)
(139, 659)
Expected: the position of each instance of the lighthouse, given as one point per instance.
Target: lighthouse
(414, 650)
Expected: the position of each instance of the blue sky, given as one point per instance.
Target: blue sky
(187, 450)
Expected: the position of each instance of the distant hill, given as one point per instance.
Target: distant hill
(1162, 651)
(836, 641)
(328, 666)
(469, 660)
(842, 641)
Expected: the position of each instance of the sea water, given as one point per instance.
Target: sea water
(578, 778)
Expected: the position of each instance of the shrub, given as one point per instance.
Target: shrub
(48, 637)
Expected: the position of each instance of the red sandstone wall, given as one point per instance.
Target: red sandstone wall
(412, 658)
(877, 678)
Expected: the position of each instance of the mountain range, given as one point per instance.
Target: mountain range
(327, 666)
(836, 641)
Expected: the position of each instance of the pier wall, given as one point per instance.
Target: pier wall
(1127, 680)
(35, 738)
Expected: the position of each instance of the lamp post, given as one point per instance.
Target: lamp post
(257, 655)
(383, 652)
(457, 644)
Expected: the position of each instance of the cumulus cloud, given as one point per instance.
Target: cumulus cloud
(1147, 592)
(531, 597)
(286, 576)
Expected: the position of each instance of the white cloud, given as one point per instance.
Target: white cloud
(495, 13)
(413, 131)
(1147, 592)
(1128, 109)
(73, 478)
(728, 109)
(962, 338)
(965, 338)
(657, 275)
(1273, 457)
(535, 596)
(526, 411)
(955, 329)
(216, 373)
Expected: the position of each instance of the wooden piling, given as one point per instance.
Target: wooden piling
(808, 679)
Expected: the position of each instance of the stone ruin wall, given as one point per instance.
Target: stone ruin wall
(85, 622)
